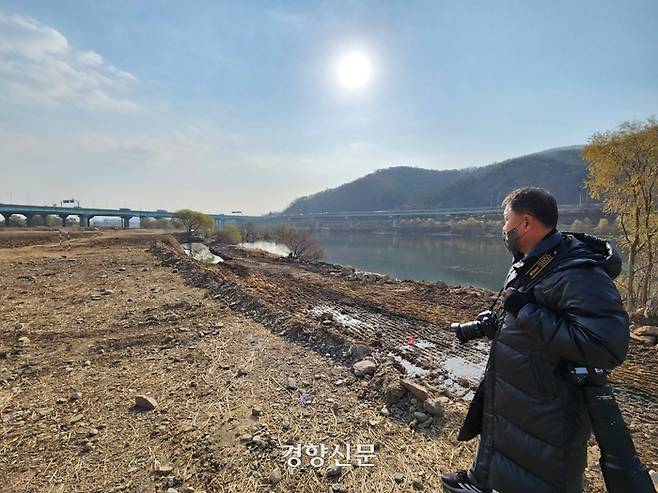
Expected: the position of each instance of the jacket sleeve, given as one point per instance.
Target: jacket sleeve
(579, 316)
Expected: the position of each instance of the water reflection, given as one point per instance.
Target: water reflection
(481, 262)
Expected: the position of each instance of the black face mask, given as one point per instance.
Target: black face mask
(512, 240)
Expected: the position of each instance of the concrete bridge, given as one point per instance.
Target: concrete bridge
(86, 214)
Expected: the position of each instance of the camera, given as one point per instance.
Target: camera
(486, 324)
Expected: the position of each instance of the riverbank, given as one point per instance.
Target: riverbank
(245, 359)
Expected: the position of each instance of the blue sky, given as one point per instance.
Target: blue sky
(219, 106)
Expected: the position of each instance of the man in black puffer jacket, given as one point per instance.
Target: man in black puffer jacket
(533, 423)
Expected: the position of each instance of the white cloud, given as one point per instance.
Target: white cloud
(38, 66)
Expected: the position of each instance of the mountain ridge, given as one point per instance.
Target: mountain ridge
(560, 170)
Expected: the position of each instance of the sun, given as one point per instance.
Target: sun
(354, 70)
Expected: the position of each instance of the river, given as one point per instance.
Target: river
(481, 262)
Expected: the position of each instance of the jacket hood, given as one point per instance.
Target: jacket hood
(587, 248)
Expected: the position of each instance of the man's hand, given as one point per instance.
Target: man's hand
(514, 300)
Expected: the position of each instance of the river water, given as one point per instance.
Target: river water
(481, 262)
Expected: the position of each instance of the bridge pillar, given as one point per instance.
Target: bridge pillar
(29, 220)
(125, 222)
(63, 218)
(7, 217)
(84, 221)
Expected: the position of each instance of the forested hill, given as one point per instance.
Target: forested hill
(561, 171)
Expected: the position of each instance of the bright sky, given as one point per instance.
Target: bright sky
(227, 105)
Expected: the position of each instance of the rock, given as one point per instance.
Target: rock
(275, 476)
(433, 407)
(171, 490)
(338, 488)
(384, 411)
(74, 396)
(241, 372)
(246, 438)
(418, 484)
(163, 470)
(441, 284)
(359, 351)
(418, 390)
(420, 416)
(19, 326)
(87, 447)
(256, 411)
(93, 432)
(23, 341)
(398, 477)
(649, 340)
(60, 400)
(393, 392)
(145, 402)
(285, 424)
(333, 472)
(292, 384)
(646, 330)
(363, 368)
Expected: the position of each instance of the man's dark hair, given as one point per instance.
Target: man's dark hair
(534, 201)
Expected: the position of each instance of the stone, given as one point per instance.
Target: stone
(163, 470)
(256, 411)
(246, 438)
(363, 368)
(398, 477)
(384, 411)
(416, 389)
(241, 372)
(654, 477)
(292, 384)
(93, 432)
(420, 416)
(433, 407)
(646, 330)
(418, 484)
(333, 472)
(23, 341)
(275, 476)
(171, 490)
(87, 447)
(338, 488)
(19, 326)
(285, 424)
(145, 402)
(394, 391)
(74, 396)
(650, 340)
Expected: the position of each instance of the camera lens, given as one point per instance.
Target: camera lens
(468, 331)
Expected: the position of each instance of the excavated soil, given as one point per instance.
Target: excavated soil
(247, 360)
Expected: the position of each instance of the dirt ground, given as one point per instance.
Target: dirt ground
(247, 360)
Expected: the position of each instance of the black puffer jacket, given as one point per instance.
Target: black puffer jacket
(533, 423)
